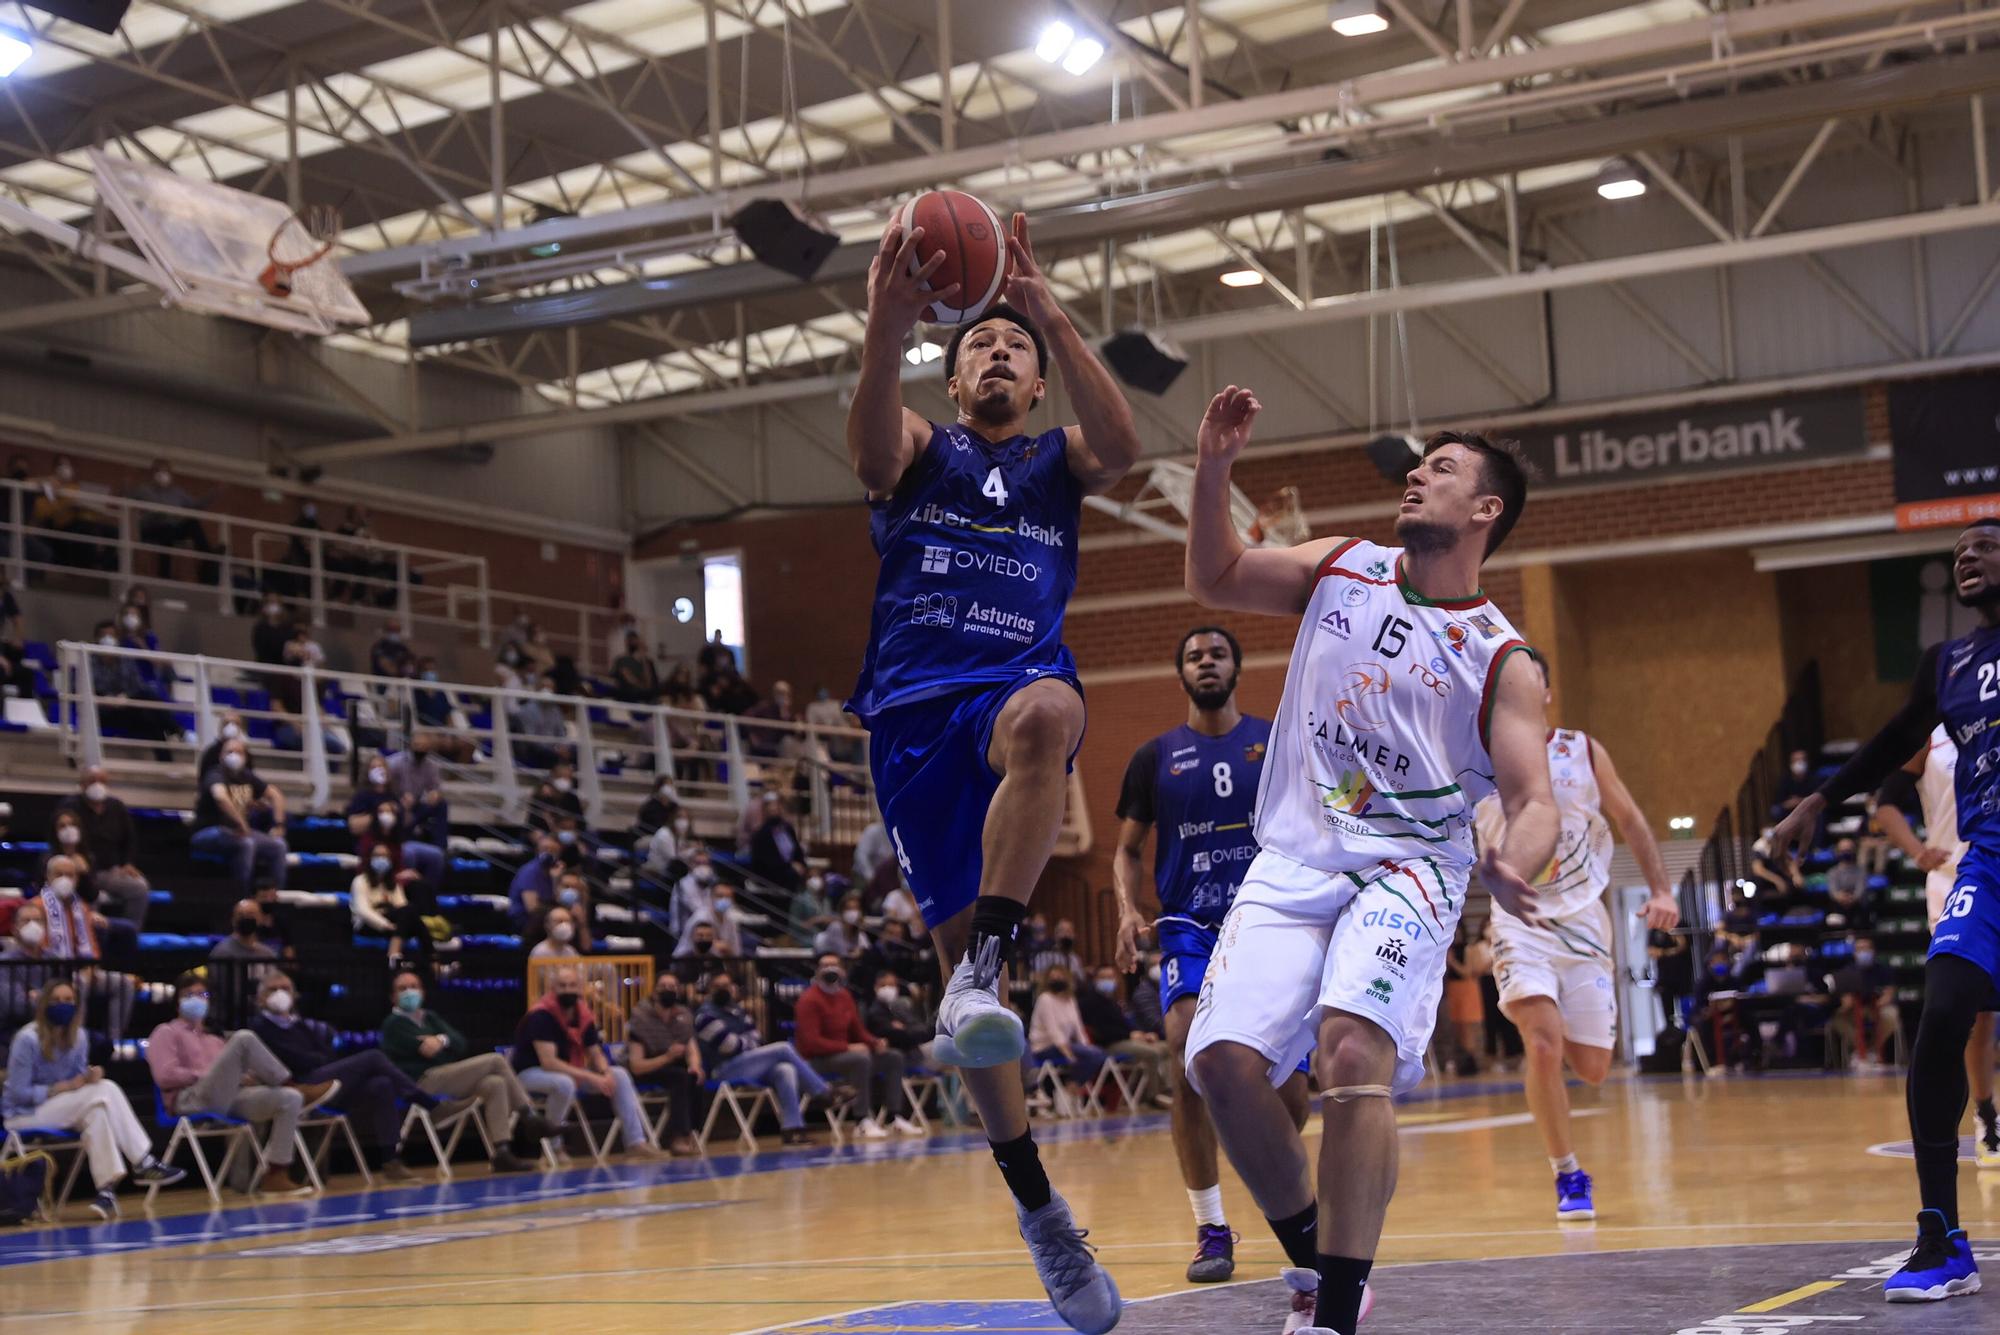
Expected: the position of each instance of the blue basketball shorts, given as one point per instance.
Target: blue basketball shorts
(1969, 924)
(928, 759)
(1185, 949)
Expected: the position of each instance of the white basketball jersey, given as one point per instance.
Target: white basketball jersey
(1578, 873)
(1379, 748)
(1937, 793)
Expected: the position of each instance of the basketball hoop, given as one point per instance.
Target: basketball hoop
(1281, 521)
(303, 239)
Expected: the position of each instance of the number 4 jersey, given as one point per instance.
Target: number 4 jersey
(1379, 748)
(978, 548)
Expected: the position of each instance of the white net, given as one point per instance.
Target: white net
(1174, 482)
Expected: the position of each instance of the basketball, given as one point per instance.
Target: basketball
(975, 247)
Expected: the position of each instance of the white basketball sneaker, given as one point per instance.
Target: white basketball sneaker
(974, 1027)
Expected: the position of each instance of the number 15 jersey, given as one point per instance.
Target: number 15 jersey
(978, 548)
(1378, 752)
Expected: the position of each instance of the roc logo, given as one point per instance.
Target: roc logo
(1394, 952)
(1351, 794)
(1253, 754)
(1378, 569)
(1485, 624)
(1380, 989)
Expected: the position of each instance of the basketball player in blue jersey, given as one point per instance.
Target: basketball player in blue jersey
(970, 697)
(1958, 684)
(1196, 785)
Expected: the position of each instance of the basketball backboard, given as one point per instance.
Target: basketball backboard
(210, 242)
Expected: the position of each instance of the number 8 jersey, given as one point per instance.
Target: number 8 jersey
(1378, 752)
(978, 548)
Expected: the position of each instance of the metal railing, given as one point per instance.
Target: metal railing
(301, 720)
(108, 538)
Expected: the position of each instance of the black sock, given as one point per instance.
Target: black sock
(1299, 1236)
(1986, 1110)
(1021, 1164)
(1342, 1280)
(997, 918)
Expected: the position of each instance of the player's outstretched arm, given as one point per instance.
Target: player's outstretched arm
(1104, 443)
(1517, 738)
(1899, 788)
(1661, 913)
(1873, 762)
(883, 436)
(1221, 571)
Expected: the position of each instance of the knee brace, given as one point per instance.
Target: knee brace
(1344, 1093)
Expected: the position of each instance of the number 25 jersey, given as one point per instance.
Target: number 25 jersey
(1379, 748)
(978, 548)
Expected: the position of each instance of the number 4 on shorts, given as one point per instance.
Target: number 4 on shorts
(902, 858)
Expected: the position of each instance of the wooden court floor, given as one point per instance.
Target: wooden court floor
(1698, 1181)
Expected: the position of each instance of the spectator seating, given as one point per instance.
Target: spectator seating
(52, 1140)
(191, 1129)
(743, 1103)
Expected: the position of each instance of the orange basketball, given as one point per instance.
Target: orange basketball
(975, 248)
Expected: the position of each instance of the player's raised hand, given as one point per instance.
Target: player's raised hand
(1660, 912)
(1126, 955)
(1508, 887)
(1225, 427)
(1027, 288)
(897, 292)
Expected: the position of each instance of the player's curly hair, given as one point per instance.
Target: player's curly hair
(1503, 471)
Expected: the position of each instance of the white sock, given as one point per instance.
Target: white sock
(1207, 1203)
(1566, 1164)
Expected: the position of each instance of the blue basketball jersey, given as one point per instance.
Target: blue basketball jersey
(1968, 692)
(1199, 793)
(978, 548)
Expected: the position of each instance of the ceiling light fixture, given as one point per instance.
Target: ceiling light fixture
(1357, 18)
(1620, 180)
(1242, 278)
(14, 51)
(1059, 44)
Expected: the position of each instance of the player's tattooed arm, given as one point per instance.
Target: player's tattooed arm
(1221, 571)
(1517, 741)
(1660, 911)
(883, 436)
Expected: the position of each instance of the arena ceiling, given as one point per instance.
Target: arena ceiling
(1228, 135)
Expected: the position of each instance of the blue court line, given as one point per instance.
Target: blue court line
(410, 1203)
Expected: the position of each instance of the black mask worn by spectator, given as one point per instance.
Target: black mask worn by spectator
(567, 1000)
(247, 925)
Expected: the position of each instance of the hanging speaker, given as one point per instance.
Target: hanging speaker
(1394, 456)
(1142, 360)
(103, 15)
(780, 236)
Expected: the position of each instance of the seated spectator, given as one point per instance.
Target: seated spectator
(538, 658)
(901, 953)
(1056, 1033)
(166, 530)
(298, 555)
(729, 693)
(1779, 880)
(830, 1035)
(873, 851)
(434, 706)
(124, 696)
(533, 888)
(246, 922)
(60, 507)
(417, 780)
(694, 894)
(1847, 885)
(371, 1086)
(669, 851)
(1058, 952)
(76, 932)
(702, 940)
(117, 937)
(50, 1083)
(229, 726)
(559, 937)
(892, 1017)
(555, 805)
(269, 639)
(810, 912)
(660, 811)
(389, 656)
(558, 1051)
(901, 905)
(380, 900)
(751, 818)
(387, 831)
(17, 675)
(715, 658)
(1107, 1027)
(1868, 1017)
(273, 921)
(634, 679)
(732, 1052)
(776, 854)
(365, 558)
(660, 1048)
(241, 819)
(135, 632)
(21, 987)
(111, 843)
(774, 741)
(843, 937)
(1795, 785)
(540, 727)
(429, 1050)
(200, 1072)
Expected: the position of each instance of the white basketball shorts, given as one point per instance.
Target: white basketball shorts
(1567, 960)
(1299, 942)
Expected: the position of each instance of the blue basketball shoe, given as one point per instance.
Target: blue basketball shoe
(1080, 1289)
(1573, 1196)
(1940, 1265)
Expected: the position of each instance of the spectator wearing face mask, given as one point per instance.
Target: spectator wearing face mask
(733, 1051)
(718, 914)
(117, 938)
(811, 912)
(1056, 1033)
(540, 726)
(830, 1035)
(694, 894)
(417, 780)
(566, 927)
(843, 937)
(434, 705)
(371, 1085)
(427, 1048)
(898, 903)
(60, 506)
(776, 852)
(660, 811)
(892, 1017)
(135, 632)
(660, 1049)
(21, 987)
(558, 1053)
(555, 804)
(702, 941)
(200, 1072)
(1058, 952)
(753, 815)
(533, 889)
(246, 922)
(390, 655)
(1867, 1018)
(241, 819)
(229, 727)
(388, 832)
(1105, 1022)
(899, 952)
(76, 932)
(670, 850)
(380, 900)
(159, 487)
(124, 695)
(558, 936)
(111, 842)
(1847, 885)
(50, 1083)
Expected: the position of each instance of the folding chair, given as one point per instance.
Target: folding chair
(1048, 1077)
(193, 1128)
(732, 1096)
(452, 1121)
(52, 1140)
(334, 1123)
(457, 1121)
(1124, 1074)
(653, 1097)
(920, 1086)
(600, 1149)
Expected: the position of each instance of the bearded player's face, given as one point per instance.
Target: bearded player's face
(1975, 566)
(1208, 671)
(996, 377)
(1440, 497)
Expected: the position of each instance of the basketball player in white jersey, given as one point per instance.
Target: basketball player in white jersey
(1555, 976)
(1929, 778)
(1408, 699)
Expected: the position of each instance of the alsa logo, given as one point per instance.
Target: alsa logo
(1336, 623)
(1394, 920)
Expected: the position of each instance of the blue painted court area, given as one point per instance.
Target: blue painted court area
(919, 1318)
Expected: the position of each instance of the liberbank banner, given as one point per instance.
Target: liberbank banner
(1756, 433)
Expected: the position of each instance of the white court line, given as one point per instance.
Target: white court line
(852, 1311)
